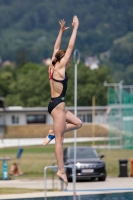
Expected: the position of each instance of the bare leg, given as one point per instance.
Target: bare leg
(59, 119)
(19, 171)
(12, 170)
(73, 123)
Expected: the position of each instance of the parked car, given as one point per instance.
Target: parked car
(88, 163)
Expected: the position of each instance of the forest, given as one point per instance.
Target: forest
(28, 30)
(29, 86)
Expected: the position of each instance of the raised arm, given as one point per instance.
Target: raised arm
(72, 40)
(59, 37)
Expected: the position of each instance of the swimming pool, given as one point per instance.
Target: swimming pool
(107, 196)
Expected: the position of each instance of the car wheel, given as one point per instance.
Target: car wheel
(92, 179)
(69, 179)
(102, 178)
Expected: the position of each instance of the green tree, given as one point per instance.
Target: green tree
(6, 79)
(29, 86)
(90, 83)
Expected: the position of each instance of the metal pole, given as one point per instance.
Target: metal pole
(93, 119)
(121, 112)
(45, 184)
(45, 177)
(76, 58)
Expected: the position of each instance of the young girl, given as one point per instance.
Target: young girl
(63, 120)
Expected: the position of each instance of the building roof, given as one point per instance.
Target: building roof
(45, 109)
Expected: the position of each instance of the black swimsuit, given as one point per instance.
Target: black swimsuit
(57, 100)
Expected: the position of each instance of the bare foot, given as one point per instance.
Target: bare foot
(63, 176)
(49, 137)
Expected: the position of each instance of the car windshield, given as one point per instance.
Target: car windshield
(84, 153)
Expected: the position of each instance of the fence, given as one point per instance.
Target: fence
(120, 118)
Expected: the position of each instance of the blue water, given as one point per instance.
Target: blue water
(112, 196)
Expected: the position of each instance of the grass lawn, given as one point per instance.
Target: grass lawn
(18, 190)
(35, 158)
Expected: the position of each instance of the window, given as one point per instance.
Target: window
(84, 153)
(34, 119)
(15, 119)
(2, 103)
(89, 117)
(85, 117)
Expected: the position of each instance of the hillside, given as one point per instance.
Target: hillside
(28, 30)
(101, 22)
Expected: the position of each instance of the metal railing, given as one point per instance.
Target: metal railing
(45, 177)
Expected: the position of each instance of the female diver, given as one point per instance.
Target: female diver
(63, 120)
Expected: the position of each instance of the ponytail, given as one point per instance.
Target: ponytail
(58, 56)
(54, 61)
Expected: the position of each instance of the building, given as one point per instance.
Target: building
(2, 117)
(17, 115)
(92, 62)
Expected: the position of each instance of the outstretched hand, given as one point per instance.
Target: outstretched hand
(75, 22)
(62, 24)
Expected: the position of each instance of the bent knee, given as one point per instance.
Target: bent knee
(79, 124)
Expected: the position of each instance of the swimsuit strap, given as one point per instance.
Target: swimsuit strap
(64, 83)
(50, 75)
(61, 81)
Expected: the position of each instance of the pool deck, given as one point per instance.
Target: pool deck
(116, 184)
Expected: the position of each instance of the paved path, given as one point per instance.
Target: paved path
(88, 187)
(39, 141)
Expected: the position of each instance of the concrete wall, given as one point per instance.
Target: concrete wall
(49, 119)
(41, 131)
(1, 119)
(100, 118)
(21, 116)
